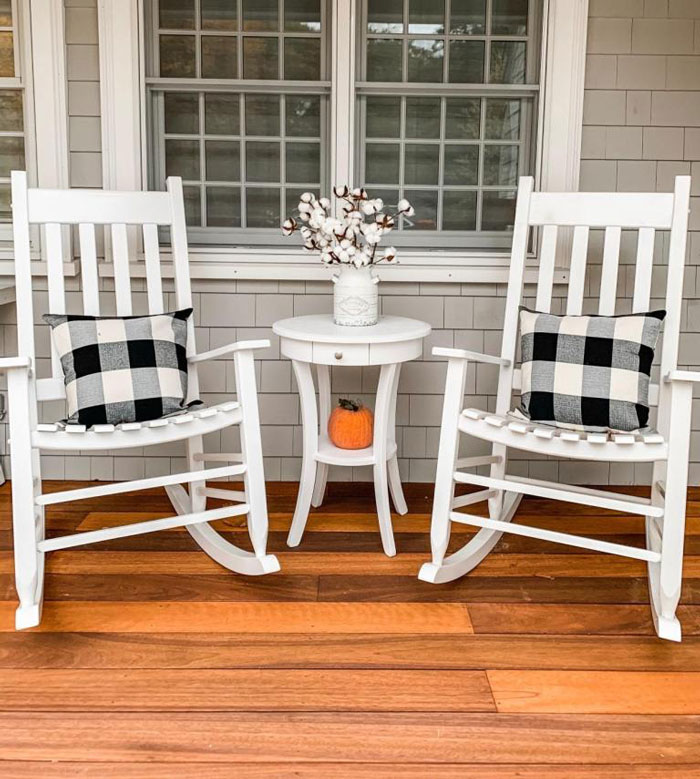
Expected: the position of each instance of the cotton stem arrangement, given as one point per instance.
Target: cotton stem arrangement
(352, 239)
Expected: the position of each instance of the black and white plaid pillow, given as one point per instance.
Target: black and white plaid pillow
(588, 372)
(122, 369)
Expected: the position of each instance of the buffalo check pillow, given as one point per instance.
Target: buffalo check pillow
(588, 372)
(122, 369)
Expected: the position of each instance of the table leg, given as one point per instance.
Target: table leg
(382, 414)
(324, 401)
(309, 420)
(395, 487)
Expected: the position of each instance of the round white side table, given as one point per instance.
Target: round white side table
(316, 340)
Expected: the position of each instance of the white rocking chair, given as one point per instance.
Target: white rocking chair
(148, 210)
(667, 449)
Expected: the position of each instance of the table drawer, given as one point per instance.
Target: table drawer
(341, 354)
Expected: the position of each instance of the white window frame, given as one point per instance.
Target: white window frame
(558, 153)
(40, 54)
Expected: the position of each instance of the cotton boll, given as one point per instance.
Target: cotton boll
(306, 197)
(368, 208)
(325, 203)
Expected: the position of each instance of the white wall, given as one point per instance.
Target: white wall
(642, 126)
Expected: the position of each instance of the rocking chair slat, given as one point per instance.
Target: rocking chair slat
(642, 278)
(117, 488)
(139, 528)
(570, 493)
(579, 252)
(545, 282)
(122, 276)
(53, 237)
(151, 253)
(88, 269)
(608, 281)
(558, 538)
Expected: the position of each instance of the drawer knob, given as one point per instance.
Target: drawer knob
(338, 355)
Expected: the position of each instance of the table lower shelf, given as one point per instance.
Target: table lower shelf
(333, 455)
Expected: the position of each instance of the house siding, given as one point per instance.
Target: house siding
(641, 128)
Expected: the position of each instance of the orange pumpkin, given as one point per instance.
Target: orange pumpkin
(350, 425)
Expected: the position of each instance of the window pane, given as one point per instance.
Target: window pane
(176, 14)
(302, 59)
(302, 15)
(11, 155)
(462, 118)
(426, 17)
(498, 210)
(382, 163)
(503, 120)
(501, 165)
(421, 163)
(219, 15)
(507, 62)
(389, 196)
(425, 60)
(181, 112)
(262, 115)
(219, 56)
(193, 206)
(182, 159)
(222, 160)
(425, 203)
(7, 55)
(260, 58)
(221, 114)
(303, 162)
(5, 13)
(263, 207)
(384, 16)
(383, 60)
(467, 62)
(223, 207)
(11, 118)
(260, 15)
(383, 117)
(5, 198)
(177, 56)
(468, 17)
(461, 164)
(303, 116)
(458, 210)
(262, 161)
(509, 17)
(422, 117)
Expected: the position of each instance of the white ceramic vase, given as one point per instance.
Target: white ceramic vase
(355, 296)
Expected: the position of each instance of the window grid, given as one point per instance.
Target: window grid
(200, 189)
(525, 91)
(12, 152)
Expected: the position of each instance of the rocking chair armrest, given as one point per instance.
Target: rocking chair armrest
(465, 354)
(677, 375)
(237, 346)
(6, 363)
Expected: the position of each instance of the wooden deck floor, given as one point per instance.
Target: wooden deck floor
(151, 660)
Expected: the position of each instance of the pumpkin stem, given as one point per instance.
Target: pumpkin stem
(349, 405)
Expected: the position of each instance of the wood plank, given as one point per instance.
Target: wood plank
(344, 650)
(296, 770)
(347, 737)
(595, 692)
(365, 521)
(496, 589)
(137, 690)
(137, 586)
(573, 619)
(298, 563)
(218, 617)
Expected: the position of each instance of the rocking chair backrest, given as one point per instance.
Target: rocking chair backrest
(612, 212)
(52, 209)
